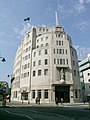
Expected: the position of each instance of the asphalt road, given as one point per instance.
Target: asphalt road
(44, 113)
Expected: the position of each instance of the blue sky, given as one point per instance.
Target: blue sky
(72, 14)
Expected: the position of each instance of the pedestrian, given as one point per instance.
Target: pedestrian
(36, 100)
(56, 101)
(61, 101)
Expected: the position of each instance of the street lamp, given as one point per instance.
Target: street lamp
(11, 80)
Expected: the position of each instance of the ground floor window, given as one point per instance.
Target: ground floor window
(15, 94)
(46, 94)
(39, 93)
(24, 96)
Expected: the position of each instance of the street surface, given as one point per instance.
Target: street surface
(44, 113)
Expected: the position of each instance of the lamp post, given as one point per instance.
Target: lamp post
(12, 77)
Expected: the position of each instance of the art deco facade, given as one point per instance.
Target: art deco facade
(46, 65)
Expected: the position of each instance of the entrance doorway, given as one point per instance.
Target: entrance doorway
(62, 92)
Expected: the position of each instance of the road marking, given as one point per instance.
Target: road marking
(19, 114)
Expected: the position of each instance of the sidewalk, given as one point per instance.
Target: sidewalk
(25, 104)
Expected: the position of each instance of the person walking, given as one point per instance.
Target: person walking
(61, 101)
(56, 101)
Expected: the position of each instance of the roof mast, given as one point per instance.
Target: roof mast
(57, 23)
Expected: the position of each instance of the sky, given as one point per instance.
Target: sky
(72, 14)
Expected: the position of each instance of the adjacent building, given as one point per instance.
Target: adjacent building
(84, 68)
(46, 65)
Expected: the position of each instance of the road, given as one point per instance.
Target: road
(44, 113)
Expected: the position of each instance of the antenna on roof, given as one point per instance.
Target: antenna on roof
(57, 23)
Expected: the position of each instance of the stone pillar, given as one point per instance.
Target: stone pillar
(71, 94)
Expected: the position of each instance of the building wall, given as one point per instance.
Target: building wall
(43, 55)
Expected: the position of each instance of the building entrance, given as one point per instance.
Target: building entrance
(62, 92)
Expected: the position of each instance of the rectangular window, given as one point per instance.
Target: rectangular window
(60, 61)
(46, 94)
(64, 61)
(46, 61)
(54, 61)
(76, 95)
(46, 38)
(74, 72)
(34, 63)
(46, 44)
(54, 51)
(33, 94)
(62, 43)
(66, 51)
(73, 63)
(45, 71)
(67, 61)
(46, 51)
(39, 52)
(39, 93)
(59, 42)
(41, 45)
(57, 51)
(56, 42)
(34, 54)
(60, 51)
(39, 72)
(34, 73)
(39, 62)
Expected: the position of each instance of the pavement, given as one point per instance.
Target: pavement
(25, 104)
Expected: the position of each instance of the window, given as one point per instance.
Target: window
(59, 42)
(39, 72)
(46, 94)
(60, 61)
(56, 42)
(34, 64)
(66, 51)
(41, 45)
(46, 38)
(67, 61)
(54, 61)
(64, 61)
(34, 54)
(39, 62)
(34, 73)
(46, 61)
(41, 39)
(39, 93)
(37, 46)
(45, 51)
(54, 51)
(37, 40)
(62, 43)
(45, 71)
(46, 44)
(88, 74)
(60, 51)
(63, 51)
(57, 51)
(39, 52)
(89, 80)
(74, 72)
(33, 94)
(73, 63)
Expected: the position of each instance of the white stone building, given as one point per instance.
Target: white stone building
(46, 65)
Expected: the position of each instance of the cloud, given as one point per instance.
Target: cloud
(83, 25)
(82, 52)
(20, 32)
